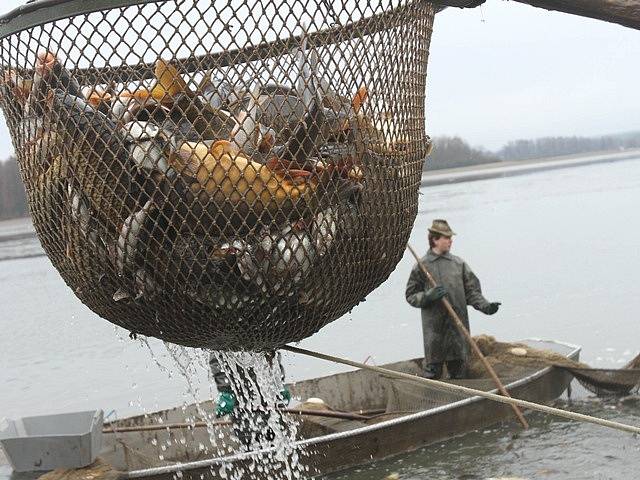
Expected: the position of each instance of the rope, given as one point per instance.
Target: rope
(449, 387)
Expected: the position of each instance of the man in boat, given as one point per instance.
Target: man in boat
(442, 341)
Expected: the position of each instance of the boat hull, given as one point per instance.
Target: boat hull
(354, 443)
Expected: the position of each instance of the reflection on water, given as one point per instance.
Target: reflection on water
(559, 249)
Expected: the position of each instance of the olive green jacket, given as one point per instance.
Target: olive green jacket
(442, 342)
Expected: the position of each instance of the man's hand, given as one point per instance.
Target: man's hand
(492, 308)
(434, 294)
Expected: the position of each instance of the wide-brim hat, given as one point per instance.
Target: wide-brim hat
(441, 227)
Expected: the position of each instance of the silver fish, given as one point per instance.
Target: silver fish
(289, 255)
(323, 231)
(81, 214)
(80, 207)
(306, 85)
(98, 152)
(277, 260)
(122, 108)
(280, 111)
(33, 127)
(217, 92)
(245, 132)
(130, 238)
(146, 286)
(149, 147)
(244, 257)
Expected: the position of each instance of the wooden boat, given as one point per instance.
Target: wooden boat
(159, 445)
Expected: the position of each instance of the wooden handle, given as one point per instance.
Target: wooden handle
(465, 333)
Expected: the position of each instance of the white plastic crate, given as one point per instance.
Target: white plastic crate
(47, 442)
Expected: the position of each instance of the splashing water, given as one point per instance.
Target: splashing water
(189, 362)
(257, 382)
(262, 435)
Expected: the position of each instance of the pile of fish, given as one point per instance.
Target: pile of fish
(198, 182)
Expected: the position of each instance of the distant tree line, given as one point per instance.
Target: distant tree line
(451, 152)
(555, 146)
(13, 201)
(448, 152)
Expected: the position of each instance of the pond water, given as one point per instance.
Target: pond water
(559, 249)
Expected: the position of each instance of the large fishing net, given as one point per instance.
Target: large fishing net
(601, 381)
(511, 361)
(230, 175)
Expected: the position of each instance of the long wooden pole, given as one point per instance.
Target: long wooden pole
(465, 333)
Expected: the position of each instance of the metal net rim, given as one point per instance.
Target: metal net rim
(38, 12)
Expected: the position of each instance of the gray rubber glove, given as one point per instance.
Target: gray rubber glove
(434, 294)
(492, 308)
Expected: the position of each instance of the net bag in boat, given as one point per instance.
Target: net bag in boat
(231, 175)
(601, 381)
(608, 381)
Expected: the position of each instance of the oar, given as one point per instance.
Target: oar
(464, 332)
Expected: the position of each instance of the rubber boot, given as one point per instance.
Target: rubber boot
(457, 369)
(433, 371)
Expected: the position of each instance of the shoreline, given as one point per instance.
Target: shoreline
(522, 167)
(440, 177)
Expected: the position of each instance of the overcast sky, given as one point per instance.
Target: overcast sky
(506, 71)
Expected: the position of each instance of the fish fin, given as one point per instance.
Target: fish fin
(169, 81)
(359, 98)
(120, 294)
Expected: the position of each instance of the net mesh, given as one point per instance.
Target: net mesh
(231, 175)
(511, 362)
(404, 396)
(601, 381)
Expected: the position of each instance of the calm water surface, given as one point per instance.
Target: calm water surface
(560, 249)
